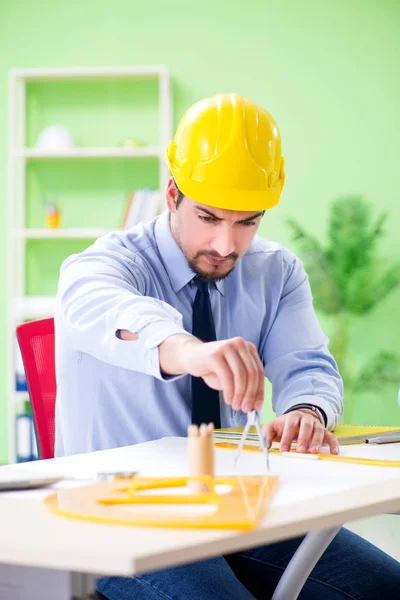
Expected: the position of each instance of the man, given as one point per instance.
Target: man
(179, 322)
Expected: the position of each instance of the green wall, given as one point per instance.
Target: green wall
(327, 71)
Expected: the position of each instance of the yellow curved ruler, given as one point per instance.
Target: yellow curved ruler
(370, 462)
(241, 507)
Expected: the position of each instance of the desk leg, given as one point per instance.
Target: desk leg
(304, 560)
(83, 586)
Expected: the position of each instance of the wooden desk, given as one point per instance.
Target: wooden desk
(313, 495)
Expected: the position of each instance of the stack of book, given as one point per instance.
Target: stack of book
(142, 206)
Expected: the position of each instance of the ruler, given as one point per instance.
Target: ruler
(369, 462)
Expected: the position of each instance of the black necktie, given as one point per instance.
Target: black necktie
(205, 400)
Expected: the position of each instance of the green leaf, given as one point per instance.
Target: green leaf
(369, 286)
(353, 236)
(382, 370)
(347, 276)
(325, 292)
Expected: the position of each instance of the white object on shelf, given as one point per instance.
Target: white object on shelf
(55, 138)
(20, 306)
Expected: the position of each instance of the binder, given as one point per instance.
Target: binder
(20, 377)
(25, 438)
(346, 434)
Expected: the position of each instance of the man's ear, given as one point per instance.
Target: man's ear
(171, 195)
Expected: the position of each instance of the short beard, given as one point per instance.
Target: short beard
(209, 277)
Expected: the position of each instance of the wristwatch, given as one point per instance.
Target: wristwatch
(319, 413)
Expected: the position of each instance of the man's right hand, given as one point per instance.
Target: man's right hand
(231, 366)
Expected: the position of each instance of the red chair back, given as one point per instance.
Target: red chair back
(36, 341)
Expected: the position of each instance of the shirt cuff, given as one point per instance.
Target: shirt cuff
(156, 333)
(321, 403)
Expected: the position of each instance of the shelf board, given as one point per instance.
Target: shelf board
(35, 307)
(18, 396)
(95, 152)
(41, 74)
(77, 233)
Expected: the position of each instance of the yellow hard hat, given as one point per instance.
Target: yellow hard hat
(227, 153)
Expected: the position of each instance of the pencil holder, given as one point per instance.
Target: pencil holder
(201, 456)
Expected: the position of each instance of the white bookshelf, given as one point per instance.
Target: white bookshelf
(139, 152)
(94, 73)
(20, 306)
(34, 307)
(70, 233)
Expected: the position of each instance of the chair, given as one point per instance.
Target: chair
(36, 342)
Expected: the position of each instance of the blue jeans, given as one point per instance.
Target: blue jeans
(350, 569)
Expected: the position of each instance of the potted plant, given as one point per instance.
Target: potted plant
(349, 279)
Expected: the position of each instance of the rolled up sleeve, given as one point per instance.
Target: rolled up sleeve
(101, 293)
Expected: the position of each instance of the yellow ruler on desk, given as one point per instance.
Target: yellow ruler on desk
(370, 462)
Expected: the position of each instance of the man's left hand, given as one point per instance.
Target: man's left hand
(304, 427)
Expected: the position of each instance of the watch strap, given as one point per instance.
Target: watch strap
(320, 414)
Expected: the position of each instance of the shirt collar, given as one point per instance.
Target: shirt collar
(175, 263)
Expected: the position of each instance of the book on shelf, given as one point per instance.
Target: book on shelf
(25, 438)
(20, 377)
(141, 207)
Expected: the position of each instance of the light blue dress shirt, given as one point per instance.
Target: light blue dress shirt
(111, 392)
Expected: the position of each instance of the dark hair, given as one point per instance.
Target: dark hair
(181, 195)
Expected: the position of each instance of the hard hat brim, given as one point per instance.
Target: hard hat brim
(229, 199)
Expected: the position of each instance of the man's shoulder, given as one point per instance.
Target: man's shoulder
(135, 246)
(137, 240)
(267, 251)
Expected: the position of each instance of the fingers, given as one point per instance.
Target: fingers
(305, 433)
(332, 441)
(260, 378)
(243, 386)
(251, 398)
(290, 430)
(272, 432)
(292, 426)
(310, 436)
(306, 429)
(224, 376)
(240, 375)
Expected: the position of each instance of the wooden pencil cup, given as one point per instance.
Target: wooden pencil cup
(201, 456)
